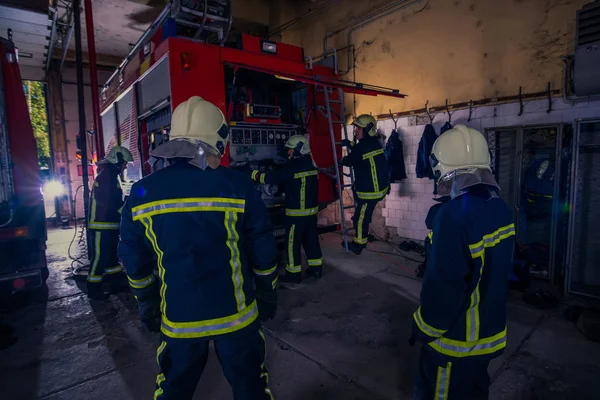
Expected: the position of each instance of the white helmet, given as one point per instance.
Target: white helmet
(298, 143)
(198, 119)
(459, 149)
(117, 156)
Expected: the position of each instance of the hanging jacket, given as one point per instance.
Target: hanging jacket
(423, 167)
(106, 200)
(299, 177)
(447, 126)
(208, 232)
(371, 170)
(465, 289)
(394, 153)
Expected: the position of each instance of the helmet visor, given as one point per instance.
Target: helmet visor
(457, 182)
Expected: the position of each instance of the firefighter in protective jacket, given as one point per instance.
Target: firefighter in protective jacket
(371, 177)
(300, 179)
(207, 231)
(462, 316)
(105, 217)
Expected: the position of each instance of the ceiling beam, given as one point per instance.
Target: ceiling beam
(101, 59)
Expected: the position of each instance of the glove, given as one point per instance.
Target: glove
(150, 314)
(267, 304)
(346, 143)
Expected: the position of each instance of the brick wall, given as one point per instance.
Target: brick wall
(402, 214)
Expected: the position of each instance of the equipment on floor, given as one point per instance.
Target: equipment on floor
(268, 92)
(22, 215)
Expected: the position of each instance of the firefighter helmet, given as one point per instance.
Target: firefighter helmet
(299, 143)
(367, 122)
(117, 155)
(459, 149)
(198, 119)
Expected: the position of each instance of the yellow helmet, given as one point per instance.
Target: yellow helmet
(198, 119)
(298, 143)
(367, 122)
(117, 155)
(460, 148)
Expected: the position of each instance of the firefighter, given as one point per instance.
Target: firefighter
(371, 177)
(207, 231)
(300, 179)
(462, 317)
(105, 217)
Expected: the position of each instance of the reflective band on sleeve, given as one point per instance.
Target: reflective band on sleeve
(188, 205)
(255, 175)
(141, 283)
(491, 240)
(302, 213)
(316, 262)
(263, 178)
(265, 272)
(372, 195)
(443, 382)
(425, 327)
(455, 348)
(305, 174)
(103, 226)
(372, 154)
(235, 261)
(218, 326)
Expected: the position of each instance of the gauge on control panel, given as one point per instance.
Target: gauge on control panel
(271, 137)
(278, 136)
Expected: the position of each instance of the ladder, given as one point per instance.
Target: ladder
(339, 175)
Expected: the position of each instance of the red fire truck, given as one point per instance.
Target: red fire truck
(22, 217)
(268, 91)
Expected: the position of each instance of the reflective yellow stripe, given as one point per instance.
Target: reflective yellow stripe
(317, 262)
(266, 272)
(100, 226)
(359, 229)
(147, 222)
(235, 262)
(188, 205)
(430, 236)
(360, 241)
(372, 154)
(92, 277)
(443, 382)
(301, 213)
(303, 194)
(374, 175)
(456, 348)
(275, 281)
(93, 212)
(300, 175)
(114, 270)
(159, 351)
(141, 283)
(372, 195)
(255, 174)
(264, 373)
(293, 269)
(263, 178)
(492, 239)
(425, 327)
(472, 321)
(290, 245)
(159, 380)
(217, 326)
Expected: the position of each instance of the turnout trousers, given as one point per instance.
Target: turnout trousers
(242, 358)
(444, 378)
(361, 219)
(301, 232)
(105, 260)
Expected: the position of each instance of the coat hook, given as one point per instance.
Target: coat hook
(470, 110)
(428, 113)
(448, 111)
(394, 119)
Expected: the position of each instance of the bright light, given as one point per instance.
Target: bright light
(53, 189)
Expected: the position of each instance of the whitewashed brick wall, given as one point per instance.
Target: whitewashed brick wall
(405, 208)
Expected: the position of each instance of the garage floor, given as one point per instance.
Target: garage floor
(344, 337)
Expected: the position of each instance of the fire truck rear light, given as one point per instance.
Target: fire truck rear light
(19, 283)
(269, 47)
(11, 233)
(185, 61)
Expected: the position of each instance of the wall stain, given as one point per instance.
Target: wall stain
(479, 23)
(386, 47)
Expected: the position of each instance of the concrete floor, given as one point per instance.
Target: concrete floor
(344, 337)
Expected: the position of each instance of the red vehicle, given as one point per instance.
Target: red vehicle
(22, 216)
(269, 91)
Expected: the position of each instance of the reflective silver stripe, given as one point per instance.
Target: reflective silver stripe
(265, 272)
(372, 195)
(114, 270)
(488, 240)
(469, 349)
(305, 174)
(372, 154)
(103, 225)
(94, 278)
(232, 243)
(425, 327)
(183, 205)
(218, 326)
(294, 269)
(443, 382)
(290, 246)
(316, 262)
(472, 333)
(302, 213)
(142, 283)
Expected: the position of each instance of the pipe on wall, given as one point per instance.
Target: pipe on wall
(89, 24)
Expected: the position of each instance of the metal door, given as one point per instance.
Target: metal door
(583, 253)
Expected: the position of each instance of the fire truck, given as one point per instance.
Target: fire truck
(22, 217)
(268, 91)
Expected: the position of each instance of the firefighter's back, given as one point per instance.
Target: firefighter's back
(194, 221)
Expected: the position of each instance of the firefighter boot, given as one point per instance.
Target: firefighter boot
(353, 247)
(95, 292)
(291, 278)
(315, 272)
